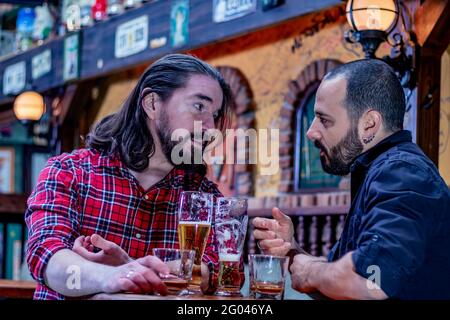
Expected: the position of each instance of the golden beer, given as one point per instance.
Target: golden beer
(229, 275)
(194, 236)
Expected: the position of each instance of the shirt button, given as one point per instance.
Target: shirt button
(138, 235)
(146, 197)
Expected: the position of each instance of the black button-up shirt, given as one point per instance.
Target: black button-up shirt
(398, 226)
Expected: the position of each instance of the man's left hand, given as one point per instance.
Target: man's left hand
(300, 272)
(110, 253)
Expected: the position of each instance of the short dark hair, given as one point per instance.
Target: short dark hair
(372, 84)
(126, 131)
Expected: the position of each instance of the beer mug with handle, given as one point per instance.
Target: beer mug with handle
(231, 222)
(194, 224)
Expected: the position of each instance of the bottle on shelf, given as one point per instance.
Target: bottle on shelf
(130, 4)
(99, 10)
(43, 25)
(86, 12)
(24, 25)
(115, 7)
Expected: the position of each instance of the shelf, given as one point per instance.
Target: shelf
(96, 49)
(15, 204)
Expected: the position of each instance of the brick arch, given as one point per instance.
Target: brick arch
(236, 179)
(299, 90)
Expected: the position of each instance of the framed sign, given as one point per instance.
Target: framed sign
(71, 57)
(179, 23)
(131, 37)
(14, 78)
(6, 169)
(41, 64)
(37, 160)
(226, 10)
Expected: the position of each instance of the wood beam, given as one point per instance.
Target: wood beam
(432, 22)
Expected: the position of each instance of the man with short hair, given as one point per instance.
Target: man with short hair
(120, 195)
(397, 232)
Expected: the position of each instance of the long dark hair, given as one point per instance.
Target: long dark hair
(126, 132)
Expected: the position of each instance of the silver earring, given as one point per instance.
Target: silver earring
(368, 139)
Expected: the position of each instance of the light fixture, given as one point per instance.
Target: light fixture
(29, 106)
(372, 22)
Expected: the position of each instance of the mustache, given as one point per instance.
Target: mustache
(320, 146)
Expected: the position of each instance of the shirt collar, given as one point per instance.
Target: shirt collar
(365, 159)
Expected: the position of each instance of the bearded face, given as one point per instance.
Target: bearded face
(338, 159)
(191, 145)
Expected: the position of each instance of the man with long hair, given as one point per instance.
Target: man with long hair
(396, 239)
(96, 213)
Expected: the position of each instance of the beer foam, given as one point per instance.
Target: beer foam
(229, 256)
(197, 223)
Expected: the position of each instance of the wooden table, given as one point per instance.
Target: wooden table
(17, 289)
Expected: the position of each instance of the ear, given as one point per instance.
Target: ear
(149, 104)
(371, 123)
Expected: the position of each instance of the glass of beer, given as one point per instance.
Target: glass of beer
(269, 273)
(194, 224)
(180, 263)
(230, 226)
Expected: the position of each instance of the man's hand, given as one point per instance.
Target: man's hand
(110, 253)
(276, 236)
(140, 276)
(335, 280)
(301, 272)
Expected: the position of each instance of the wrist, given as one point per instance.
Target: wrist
(314, 270)
(103, 275)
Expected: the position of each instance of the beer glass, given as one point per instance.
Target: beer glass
(231, 227)
(194, 224)
(180, 264)
(269, 273)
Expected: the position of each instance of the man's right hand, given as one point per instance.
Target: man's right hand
(276, 236)
(139, 276)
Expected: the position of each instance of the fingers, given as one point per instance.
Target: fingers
(264, 234)
(155, 282)
(155, 264)
(87, 241)
(99, 242)
(146, 278)
(263, 223)
(280, 216)
(277, 247)
(139, 278)
(268, 244)
(78, 242)
(86, 254)
(126, 285)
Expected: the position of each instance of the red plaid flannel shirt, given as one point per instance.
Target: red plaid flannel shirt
(86, 192)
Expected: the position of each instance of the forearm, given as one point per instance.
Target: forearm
(71, 275)
(337, 280)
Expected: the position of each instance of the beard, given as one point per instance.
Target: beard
(338, 160)
(190, 147)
